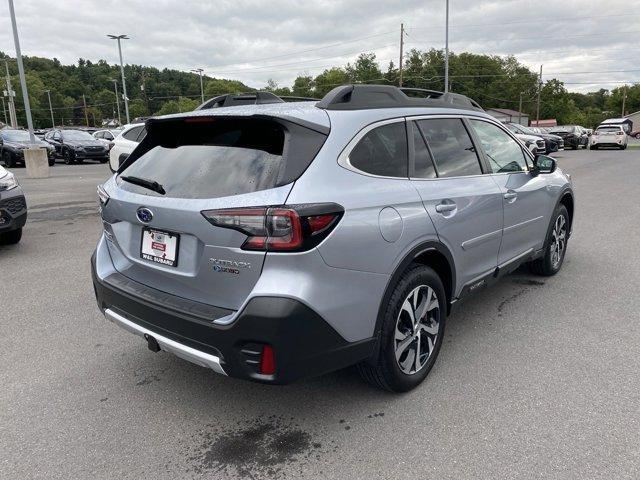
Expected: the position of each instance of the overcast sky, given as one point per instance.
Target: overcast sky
(256, 40)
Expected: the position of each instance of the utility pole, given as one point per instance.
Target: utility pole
(86, 117)
(538, 102)
(124, 82)
(11, 94)
(401, 47)
(520, 110)
(23, 81)
(446, 52)
(53, 123)
(4, 111)
(624, 98)
(199, 71)
(115, 90)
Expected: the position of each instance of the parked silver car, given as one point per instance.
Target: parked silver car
(277, 241)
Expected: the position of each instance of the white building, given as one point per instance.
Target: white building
(508, 115)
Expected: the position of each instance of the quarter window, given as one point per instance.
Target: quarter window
(453, 152)
(502, 151)
(382, 151)
(133, 133)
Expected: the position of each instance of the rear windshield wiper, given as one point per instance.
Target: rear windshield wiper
(143, 182)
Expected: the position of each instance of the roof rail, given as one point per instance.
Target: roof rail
(231, 99)
(361, 97)
(293, 98)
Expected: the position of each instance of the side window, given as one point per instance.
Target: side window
(382, 151)
(453, 152)
(503, 152)
(57, 136)
(107, 136)
(132, 134)
(143, 133)
(423, 164)
(99, 135)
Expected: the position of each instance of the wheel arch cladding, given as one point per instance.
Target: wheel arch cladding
(430, 254)
(567, 201)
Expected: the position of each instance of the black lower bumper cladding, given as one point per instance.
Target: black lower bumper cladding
(13, 213)
(304, 344)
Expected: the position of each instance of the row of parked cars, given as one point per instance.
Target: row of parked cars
(553, 139)
(72, 145)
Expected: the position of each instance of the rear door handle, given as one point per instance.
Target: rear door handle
(446, 207)
(511, 195)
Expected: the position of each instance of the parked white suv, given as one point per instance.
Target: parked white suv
(124, 144)
(608, 136)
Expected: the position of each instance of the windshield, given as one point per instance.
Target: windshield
(15, 136)
(607, 129)
(76, 135)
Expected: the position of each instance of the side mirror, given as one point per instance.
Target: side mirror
(544, 164)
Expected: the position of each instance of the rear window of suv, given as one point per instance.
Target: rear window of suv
(212, 158)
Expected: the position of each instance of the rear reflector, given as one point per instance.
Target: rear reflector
(268, 361)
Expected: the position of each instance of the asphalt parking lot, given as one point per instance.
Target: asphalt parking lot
(537, 378)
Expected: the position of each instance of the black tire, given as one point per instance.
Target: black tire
(52, 161)
(623, 147)
(68, 157)
(7, 158)
(574, 147)
(545, 266)
(104, 160)
(386, 373)
(11, 238)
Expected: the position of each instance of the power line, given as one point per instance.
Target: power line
(525, 21)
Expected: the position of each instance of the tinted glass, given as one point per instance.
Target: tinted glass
(382, 151)
(451, 146)
(133, 133)
(142, 134)
(201, 163)
(503, 152)
(423, 165)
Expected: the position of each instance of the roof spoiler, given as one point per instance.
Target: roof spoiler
(361, 97)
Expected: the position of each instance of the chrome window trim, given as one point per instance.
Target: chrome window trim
(343, 158)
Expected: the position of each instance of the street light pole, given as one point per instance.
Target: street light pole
(446, 52)
(53, 123)
(115, 90)
(199, 71)
(23, 81)
(124, 83)
(11, 94)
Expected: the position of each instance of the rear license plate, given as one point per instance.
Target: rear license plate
(160, 247)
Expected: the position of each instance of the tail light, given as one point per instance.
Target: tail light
(267, 360)
(279, 229)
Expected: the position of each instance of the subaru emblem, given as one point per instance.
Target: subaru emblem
(144, 215)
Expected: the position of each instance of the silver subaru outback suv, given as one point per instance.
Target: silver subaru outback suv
(275, 241)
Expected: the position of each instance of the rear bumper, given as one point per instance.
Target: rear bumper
(13, 210)
(305, 345)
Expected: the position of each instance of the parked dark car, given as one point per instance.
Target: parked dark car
(13, 209)
(12, 144)
(76, 146)
(573, 135)
(553, 143)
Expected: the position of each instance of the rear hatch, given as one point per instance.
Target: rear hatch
(160, 236)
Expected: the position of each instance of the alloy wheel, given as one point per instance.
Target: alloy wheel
(417, 329)
(558, 241)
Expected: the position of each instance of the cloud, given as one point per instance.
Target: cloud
(256, 40)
